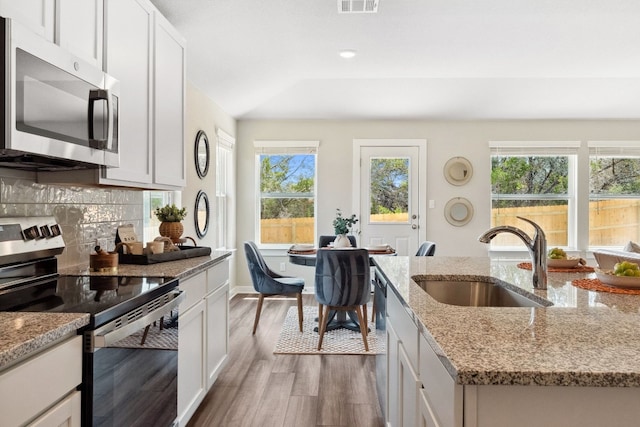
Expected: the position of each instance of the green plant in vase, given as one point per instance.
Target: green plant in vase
(342, 226)
(170, 217)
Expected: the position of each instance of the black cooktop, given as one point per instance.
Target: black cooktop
(103, 297)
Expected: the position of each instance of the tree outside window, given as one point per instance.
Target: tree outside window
(287, 198)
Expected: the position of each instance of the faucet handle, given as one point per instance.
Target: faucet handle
(538, 229)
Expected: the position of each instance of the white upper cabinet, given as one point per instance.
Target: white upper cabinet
(37, 15)
(169, 98)
(128, 48)
(79, 28)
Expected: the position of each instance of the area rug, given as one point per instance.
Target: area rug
(163, 339)
(339, 341)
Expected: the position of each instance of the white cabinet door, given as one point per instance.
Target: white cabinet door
(79, 28)
(66, 413)
(408, 387)
(169, 95)
(128, 46)
(37, 15)
(217, 332)
(191, 361)
(393, 403)
(426, 416)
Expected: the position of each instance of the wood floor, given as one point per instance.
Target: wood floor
(259, 388)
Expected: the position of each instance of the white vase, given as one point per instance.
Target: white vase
(342, 241)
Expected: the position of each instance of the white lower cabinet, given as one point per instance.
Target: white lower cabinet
(203, 341)
(191, 361)
(41, 391)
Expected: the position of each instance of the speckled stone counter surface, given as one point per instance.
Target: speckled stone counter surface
(586, 338)
(181, 268)
(24, 333)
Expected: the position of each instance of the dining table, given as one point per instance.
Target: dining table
(306, 256)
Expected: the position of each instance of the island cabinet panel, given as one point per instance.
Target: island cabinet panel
(440, 394)
(532, 406)
(191, 360)
(41, 389)
(217, 320)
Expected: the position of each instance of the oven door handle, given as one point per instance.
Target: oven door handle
(111, 333)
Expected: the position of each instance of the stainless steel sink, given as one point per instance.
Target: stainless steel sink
(478, 294)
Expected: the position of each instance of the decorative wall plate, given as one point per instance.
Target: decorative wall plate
(202, 154)
(458, 211)
(458, 171)
(201, 214)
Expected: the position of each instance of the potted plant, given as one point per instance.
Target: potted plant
(170, 225)
(341, 226)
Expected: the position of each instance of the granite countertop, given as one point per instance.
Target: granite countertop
(586, 338)
(22, 334)
(180, 268)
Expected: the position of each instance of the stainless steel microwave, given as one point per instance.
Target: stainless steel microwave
(59, 112)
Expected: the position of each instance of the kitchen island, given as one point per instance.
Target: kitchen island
(535, 366)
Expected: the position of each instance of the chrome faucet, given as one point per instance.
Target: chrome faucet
(537, 247)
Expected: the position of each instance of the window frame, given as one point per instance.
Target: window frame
(224, 177)
(570, 149)
(578, 219)
(262, 147)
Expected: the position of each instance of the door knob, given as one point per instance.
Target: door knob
(414, 226)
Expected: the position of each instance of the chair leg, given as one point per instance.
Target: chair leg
(363, 327)
(258, 310)
(323, 326)
(365, 317)
(319, 316)
(299, 296)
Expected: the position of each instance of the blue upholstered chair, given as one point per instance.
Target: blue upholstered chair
(343, 283)
(324, 241)
(268, 283)
(426, 249)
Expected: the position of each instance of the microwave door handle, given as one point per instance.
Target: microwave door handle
(99, 95)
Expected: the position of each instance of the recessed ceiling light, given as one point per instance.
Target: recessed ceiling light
(347, 53)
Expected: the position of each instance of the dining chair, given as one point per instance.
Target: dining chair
(269, 283)
(342, 283)
(427, 248)
(324, 241)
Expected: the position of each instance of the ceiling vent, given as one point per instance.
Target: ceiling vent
(358, 6)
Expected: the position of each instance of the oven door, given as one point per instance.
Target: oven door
(61, 106)
(130, 377)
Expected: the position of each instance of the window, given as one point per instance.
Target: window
(614, 193)
(152, 200)
(535, 181)
(224, 180)
(286, 173)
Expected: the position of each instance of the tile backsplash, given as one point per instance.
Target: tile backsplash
(87, 215)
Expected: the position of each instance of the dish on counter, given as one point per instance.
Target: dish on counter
(302, 247)
(569, 262)
(378, 248)
(608, 278)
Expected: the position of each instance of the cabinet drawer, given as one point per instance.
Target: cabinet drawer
(195, 289)
(404, 326)
(217, 276)
(39, 382)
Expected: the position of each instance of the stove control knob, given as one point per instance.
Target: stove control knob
(31, 233)
(55, 230)
(45, 231)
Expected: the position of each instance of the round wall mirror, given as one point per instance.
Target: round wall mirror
(458, 171)
(202, 154)
(458, 211)
(201, 214)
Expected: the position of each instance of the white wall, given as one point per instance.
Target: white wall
(204, 114)
(445, 139)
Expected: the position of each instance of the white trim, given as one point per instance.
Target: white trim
(286, 144)
(225, 139)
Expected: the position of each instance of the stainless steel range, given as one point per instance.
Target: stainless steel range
(123, 383)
